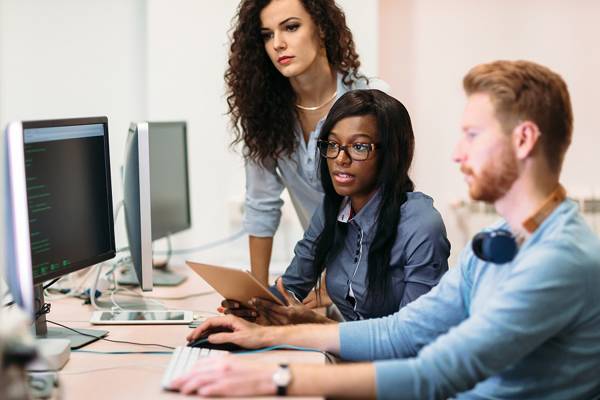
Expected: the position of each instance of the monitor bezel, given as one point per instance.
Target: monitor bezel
(111, 252)
(136, 203)
(19, 270)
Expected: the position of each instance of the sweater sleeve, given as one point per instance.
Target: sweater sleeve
(404, 333)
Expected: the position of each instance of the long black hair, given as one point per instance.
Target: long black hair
(394, 157)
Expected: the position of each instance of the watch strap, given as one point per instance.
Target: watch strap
(282, 389)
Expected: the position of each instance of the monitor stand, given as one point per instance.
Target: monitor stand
(161, 276)
(77, 337)
(167, 277)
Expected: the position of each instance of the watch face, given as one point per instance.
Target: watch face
(282, 376)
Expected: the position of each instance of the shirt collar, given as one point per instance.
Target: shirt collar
(366, 217)
(341, 88)
(345, 210)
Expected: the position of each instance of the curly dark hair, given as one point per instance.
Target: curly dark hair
(260, 99)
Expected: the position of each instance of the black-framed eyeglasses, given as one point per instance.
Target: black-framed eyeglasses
(356, 151)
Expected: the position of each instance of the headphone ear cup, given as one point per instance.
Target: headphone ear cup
(477, 245)
(497, 246)
(501, 246)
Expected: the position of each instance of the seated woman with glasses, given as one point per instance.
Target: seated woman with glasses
(383, 245)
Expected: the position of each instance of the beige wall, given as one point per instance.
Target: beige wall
(426, 46)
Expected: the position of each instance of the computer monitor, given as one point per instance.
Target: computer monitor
(169, 184)
(156, 172)
(59, 214)
(136, 204)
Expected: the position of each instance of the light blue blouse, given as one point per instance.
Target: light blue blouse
(297, 173)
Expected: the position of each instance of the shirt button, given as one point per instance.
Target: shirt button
(357, 252)
(355, 259)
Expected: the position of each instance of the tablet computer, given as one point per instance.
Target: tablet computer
(233, 284)
(141, 317)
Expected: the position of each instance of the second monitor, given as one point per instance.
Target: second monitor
(156, 172)
(169, 183)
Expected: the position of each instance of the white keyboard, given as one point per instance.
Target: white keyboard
(182, 360)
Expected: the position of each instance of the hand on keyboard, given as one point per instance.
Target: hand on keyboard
(231, 376)
(182, 361)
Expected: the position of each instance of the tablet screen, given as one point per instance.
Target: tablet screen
(142, 316)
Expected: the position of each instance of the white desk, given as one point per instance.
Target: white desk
(137, 376)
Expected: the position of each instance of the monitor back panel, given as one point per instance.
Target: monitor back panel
(169, 186)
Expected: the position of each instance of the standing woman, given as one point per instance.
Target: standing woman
(289, 61)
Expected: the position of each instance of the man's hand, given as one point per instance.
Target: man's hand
(244, 333)
(228, 376)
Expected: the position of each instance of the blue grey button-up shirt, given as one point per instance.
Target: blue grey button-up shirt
(298, 173)
(419, 258)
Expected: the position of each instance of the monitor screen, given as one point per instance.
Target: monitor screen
(169, 188)
(69, 198)
(59, 209)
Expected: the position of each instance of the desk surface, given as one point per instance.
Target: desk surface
(101, 376)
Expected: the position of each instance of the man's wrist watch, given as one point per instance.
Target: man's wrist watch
(282, 378)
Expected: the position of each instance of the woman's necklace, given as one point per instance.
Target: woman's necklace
(305, 108)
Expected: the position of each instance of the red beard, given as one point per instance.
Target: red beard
(495, 178)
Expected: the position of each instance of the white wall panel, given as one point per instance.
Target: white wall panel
(429, 45)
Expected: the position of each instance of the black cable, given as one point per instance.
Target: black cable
(45, 309)
(10, 303)
(51, 283)
(139, 344)
(123, 352)
(110, 340)
(279, 347)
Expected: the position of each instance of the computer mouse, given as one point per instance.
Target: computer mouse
(203, 342)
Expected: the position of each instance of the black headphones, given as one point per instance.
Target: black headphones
(498, 246)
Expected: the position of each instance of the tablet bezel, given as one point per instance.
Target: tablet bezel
(188, 317)
(233, 284)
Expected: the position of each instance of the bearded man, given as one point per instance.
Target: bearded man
(518, 318)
